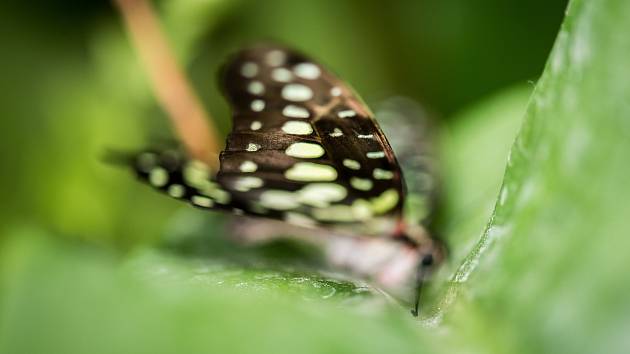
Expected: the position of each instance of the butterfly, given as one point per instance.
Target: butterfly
(305, 150)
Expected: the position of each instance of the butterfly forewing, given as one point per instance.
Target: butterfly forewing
(314, 145)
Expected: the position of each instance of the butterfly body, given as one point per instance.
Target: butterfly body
(305, 150)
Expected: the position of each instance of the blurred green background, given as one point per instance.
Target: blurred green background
(91, 261)
(74, 87)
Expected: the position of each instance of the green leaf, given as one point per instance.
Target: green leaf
(61, 299)
(550, 273)
(474, 151)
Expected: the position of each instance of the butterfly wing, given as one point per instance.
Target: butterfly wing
(303, 148)
(315, 146)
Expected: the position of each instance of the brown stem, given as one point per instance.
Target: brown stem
(170, 85)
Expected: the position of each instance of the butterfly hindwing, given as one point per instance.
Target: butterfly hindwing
(415, 145)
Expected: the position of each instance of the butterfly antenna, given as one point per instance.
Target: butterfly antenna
(423, 268)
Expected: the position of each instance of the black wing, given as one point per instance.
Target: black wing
(303, 148)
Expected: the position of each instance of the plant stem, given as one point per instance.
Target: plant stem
(173, 90)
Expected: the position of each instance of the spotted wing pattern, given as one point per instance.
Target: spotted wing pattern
(303, 148)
